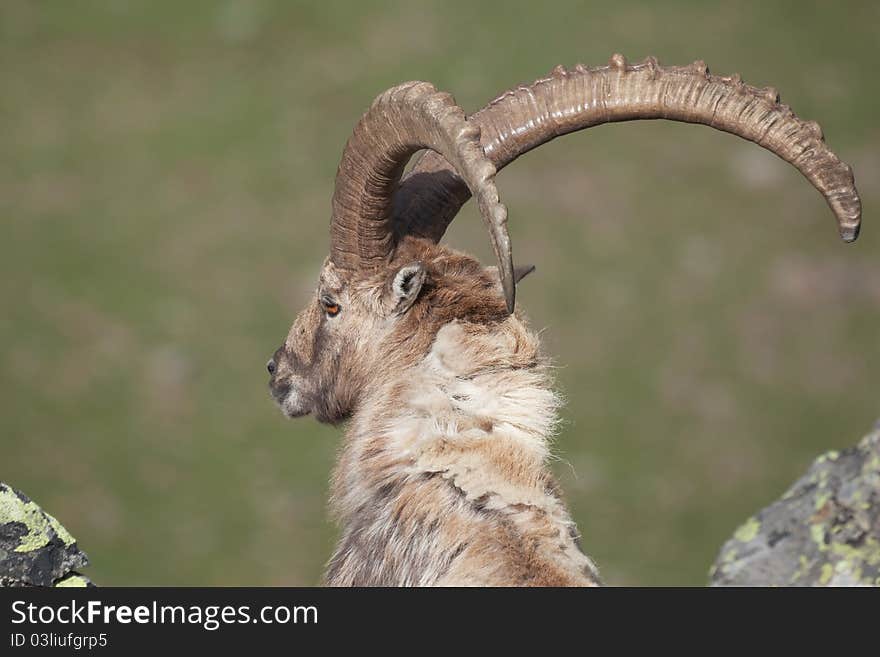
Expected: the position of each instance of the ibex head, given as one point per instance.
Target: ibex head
(364, 324)
(387, 286)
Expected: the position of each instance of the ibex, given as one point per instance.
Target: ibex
(443, 477)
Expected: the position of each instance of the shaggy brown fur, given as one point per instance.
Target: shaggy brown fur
(442, 478)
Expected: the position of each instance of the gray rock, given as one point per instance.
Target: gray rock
(35, 550)
(824, 531)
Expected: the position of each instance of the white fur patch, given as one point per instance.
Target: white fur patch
(292, 404)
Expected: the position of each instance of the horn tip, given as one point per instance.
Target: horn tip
(850, 234)
(511, 301)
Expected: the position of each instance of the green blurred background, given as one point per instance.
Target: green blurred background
(165, 184)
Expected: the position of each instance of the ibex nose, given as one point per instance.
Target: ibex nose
(271, 366)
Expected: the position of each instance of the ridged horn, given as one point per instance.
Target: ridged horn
(569, 100)
(405, 119)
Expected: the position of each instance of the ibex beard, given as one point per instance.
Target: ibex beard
(442, 478)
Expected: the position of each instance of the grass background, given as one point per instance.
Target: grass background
(165, 180)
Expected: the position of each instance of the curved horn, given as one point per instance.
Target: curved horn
(526, 117)
(406, 118)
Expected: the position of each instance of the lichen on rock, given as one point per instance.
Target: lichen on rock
(824, 531)
(35, 549)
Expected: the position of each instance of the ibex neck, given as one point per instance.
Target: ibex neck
(447, 456)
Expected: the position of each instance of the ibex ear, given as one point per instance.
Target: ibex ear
(519, 272)
(406, 286)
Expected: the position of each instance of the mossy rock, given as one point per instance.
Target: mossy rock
(824, 531)
(35, 549)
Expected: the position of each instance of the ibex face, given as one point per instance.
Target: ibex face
(340, 339)
(304, 370)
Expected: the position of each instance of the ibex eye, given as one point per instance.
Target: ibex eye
(330, 306)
